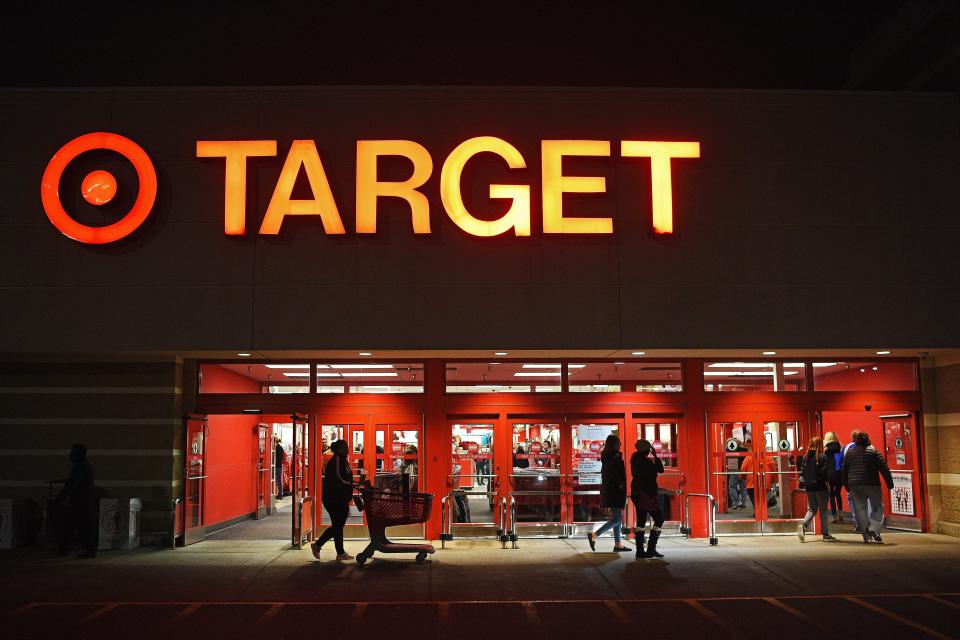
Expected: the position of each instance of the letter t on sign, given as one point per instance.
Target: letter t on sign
(661, 181)
(236, 153)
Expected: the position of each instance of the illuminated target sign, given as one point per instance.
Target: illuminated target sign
(98, 188)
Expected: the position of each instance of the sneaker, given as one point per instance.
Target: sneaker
(801, 533)
(876, 536)
(828, 537)
(592, 541)
(315, 550)
(622, 549)
(344, 556)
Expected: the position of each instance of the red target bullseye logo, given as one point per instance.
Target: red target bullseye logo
(98, 188)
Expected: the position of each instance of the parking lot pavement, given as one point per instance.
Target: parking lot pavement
(743, 588)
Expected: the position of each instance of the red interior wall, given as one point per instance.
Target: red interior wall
(217, 379)
(892, 376)
(843, 422)
(231, 451)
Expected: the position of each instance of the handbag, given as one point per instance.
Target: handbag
(771, 498)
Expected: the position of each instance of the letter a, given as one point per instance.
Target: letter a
(303, 153)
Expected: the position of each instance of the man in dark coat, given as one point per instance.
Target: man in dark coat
(862, 467)
(278, 456)
(79, 498)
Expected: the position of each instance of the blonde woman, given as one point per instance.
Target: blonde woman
(834, 452)
(814, 473)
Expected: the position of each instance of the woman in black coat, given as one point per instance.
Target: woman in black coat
(643, 494)
(613, 492)
(336, 496)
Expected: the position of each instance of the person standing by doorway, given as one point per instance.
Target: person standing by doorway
(613, 492)
(643, 494)
(79, 497)
(832, 450)
(336, 495)
(736, 486)
(862, 467)
(814, 474)
(279, 455)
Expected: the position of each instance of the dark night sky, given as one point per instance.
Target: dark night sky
(645, 44)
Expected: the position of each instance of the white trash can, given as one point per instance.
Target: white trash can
(119, 524)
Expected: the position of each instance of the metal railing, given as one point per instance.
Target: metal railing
(711, 515)
(446, 521)
(508, 527)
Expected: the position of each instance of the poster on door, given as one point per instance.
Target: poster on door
(591, 437)
(901, 496)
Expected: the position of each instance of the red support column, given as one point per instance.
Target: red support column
(435, 439)
(697, 444)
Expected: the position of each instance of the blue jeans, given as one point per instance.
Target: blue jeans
(615, 522)
(736, 490)
(853, 511)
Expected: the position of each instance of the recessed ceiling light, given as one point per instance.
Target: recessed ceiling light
(364, 353)
(876, 368)
(500, 353)
(244, 355)
(639, 353)
(769, 353)
(883, 353)
(617, 363)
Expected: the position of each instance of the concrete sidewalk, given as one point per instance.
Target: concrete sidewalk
(557, 570)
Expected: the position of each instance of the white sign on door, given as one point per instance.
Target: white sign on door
(591, 437)
(901, 496)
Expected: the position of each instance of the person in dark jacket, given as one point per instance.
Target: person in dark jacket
(814, 472)
(862, 467)
(336, 495)
(613, 492)
(278, 457)
(643, 494)
(79, 497)
(520, 460)
(831, 449)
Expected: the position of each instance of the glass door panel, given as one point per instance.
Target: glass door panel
(194, 479)
(903, 504)
(472, 479)
(783, 498)
(398, 461)
(397, 457)
(664, 436)
(535, 478)
(264, 456)
(587, 441)
(301, 482)
(733, 474)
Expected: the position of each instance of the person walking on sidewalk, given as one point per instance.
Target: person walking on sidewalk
(80, 498)
(862, 467)
(335, 496)
(643, 494)
(853, 512)
(613, 492)
(834, 469)
(814, 474)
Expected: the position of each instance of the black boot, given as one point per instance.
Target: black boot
(639, 543)
(652, 545)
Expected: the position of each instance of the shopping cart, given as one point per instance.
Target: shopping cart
(390, 509)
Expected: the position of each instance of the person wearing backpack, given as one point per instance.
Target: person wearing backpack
(834, 472)
(814, 472)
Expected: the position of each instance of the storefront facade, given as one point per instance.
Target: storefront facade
(533, 268)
